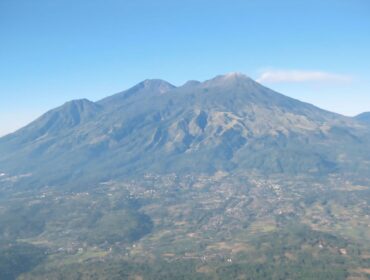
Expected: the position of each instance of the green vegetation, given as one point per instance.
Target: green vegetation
(17, 258)
(291, 253)
(73, 218)
(225, 226)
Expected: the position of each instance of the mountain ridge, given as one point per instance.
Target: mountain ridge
(227, 123)
(151, 86)
(363, 117)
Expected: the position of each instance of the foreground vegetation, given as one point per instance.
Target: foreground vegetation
(243, 226)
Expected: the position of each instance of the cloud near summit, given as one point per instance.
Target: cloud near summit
(297, 76)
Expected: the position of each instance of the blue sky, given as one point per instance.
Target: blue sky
(52, 51)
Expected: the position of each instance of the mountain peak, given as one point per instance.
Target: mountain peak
(229, 78)
(146, 87)
(235, 75)
(77, 107)
(157, 84)
(63, 118)
(364, 117)
(79, 103)
(191, 83)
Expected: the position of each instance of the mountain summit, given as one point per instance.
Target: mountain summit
(364, 117)
(229, 78)
(229, 123)
(147, 87)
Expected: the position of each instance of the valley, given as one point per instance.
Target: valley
(211, 222)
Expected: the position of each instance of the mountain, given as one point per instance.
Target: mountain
(69, 115)
(221, 179)
(364, 117)
(229, 123)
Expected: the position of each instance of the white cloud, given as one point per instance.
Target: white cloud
(297, 76)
